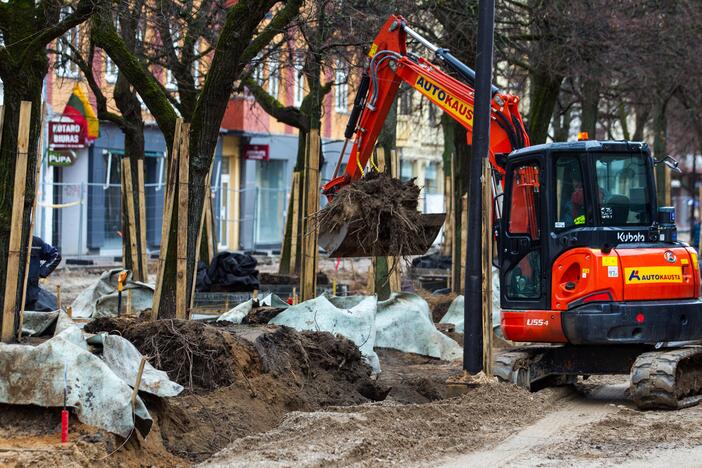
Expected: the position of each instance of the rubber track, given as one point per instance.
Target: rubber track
(505, 363)
(654, 380)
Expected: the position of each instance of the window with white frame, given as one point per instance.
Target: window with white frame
(258, 70)
(341, 77)
(273, 77)
(171, 82)
(299, 82)
(111, 69)
(70, 40)
(196, 63)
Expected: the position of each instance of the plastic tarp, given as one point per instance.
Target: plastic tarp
(454, 314)
(37, 323)
(404, 322)
(350, 316)
(97, 389)
(237, 314)
(100, 299)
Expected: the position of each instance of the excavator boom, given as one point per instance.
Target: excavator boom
(391, 64)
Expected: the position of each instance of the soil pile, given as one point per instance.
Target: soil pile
(241, 380)
(382, 209)
(261, 315)
(389, 433)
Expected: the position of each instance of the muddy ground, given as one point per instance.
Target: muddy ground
(312, 404)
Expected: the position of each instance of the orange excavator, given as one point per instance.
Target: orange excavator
(591, 272)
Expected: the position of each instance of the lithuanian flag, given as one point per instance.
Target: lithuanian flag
(78, 108)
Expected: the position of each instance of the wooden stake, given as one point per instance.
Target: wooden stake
(295, 194)
(13, 255)
(142, 221)
(137, 384)
(394, 262)
(200, 232)
(235, 199)
(182, 241)
(129, 302)
(487, 235)
(128, 190)
(168, 203)
(32, 217)
(448, 225)
(69, 311)
(464, 237)
(308, 276)
(58, 297)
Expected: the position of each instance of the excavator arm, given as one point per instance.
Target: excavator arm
(389, 65)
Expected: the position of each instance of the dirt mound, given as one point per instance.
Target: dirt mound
(197, 356)
(438, 303)
(382, 208)
(242, 379)
(391, 434)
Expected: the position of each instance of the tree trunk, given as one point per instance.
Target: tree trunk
(659, 151)
(130, 108)
(591, 99)
(461, 168)
(285, 255)
(387, 140)
(544, 94)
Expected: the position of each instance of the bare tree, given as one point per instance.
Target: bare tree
(246, 30)
(27, 29)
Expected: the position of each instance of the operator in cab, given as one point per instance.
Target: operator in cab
(43, 261)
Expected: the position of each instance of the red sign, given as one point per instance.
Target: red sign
(256, 152)
(66, 135)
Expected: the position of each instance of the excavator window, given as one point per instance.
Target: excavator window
(624, 195)
(570, 192)
(523, 280)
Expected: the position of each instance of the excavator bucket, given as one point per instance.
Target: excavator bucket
(347, 240)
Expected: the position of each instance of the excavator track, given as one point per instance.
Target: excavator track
(667, 379)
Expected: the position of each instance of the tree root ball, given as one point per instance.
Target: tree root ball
(383, 211)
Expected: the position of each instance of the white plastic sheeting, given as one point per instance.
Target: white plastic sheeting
(404, 322)
(350, 316)
(98, 390)
(454, 314)
(237, 314)
(100, 298)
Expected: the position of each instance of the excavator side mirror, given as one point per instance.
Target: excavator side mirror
(671, 162)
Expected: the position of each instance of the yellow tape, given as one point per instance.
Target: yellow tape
(60, 205)
(373, 50)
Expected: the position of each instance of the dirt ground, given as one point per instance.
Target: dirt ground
(290, 399)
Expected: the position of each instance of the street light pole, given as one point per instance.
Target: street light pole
(473, 329)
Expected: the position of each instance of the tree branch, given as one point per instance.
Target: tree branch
(286, 114)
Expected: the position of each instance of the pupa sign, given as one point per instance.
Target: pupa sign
(66, 135)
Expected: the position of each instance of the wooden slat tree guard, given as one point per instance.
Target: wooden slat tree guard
(10, 308)
(142, 221)
(128, 196)
(308, 276)
(295, 234)
(32, 219)
(182, 229)
(168, 203)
